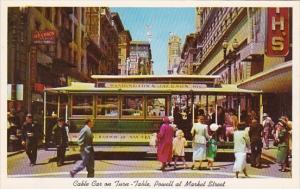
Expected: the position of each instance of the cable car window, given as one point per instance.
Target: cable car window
(156, 107)
(82, 105)
(132, 106)
(107, 106)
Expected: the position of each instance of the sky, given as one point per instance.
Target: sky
(162, 21)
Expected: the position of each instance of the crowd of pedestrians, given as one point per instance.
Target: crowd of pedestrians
(248, 137)
(246, 134)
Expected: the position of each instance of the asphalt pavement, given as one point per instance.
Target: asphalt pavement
(124, 162)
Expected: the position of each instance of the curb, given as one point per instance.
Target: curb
(15, 153)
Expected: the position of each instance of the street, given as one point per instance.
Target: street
(118, 162)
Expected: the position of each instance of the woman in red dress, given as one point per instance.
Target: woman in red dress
(165, 143)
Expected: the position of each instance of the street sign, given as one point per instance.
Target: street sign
(278, 32)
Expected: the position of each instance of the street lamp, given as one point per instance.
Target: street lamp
(231, 56)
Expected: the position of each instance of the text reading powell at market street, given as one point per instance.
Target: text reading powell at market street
(149, 183)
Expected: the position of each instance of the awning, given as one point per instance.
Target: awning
(275, 80)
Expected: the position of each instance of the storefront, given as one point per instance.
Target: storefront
(276, 84)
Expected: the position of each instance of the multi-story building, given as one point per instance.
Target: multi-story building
(45, 49)
(173, 53)
(188, 55)
(108, 44)
(102, 36)
(140, 58)
(234, 43)
(52, 46)
(123, 45)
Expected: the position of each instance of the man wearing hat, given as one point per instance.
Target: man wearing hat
(30, 139)
(268, 125)
(59, 132)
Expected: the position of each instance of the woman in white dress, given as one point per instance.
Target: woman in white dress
(241, 142)
(200, 136)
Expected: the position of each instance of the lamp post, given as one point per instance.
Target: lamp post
(231, 56)
(228, 60)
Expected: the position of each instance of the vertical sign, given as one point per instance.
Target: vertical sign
(32, 71)
(278, 32)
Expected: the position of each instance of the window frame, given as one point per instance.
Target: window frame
(146, 107)
(92, 106)
(104, 116)
(122, 99)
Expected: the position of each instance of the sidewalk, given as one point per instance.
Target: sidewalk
(15, 153)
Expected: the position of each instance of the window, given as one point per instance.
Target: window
(132, 106)
(156, 107)
(82, 105)
(107, 106)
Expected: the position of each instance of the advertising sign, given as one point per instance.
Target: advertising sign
(44, 37)
(115, 137)
(277, 32)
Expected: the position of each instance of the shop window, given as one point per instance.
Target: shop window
(82, 105)
(156, 107)
(132, 106)
(107, 106)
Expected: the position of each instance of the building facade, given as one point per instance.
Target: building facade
(242, 59)
(140, 61)
(174, 56)
(102, 41)
(45, 49)
(124, 39)
(188, 55)
(53, 46)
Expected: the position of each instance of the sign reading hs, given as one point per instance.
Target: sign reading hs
(278, 32)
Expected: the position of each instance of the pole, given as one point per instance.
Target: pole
(207, 104)
(261, 108)
(239, 112)
(193, 110)
(45, 114)
(66, 116)
(216, 114)
(193, 113)
(58, 106)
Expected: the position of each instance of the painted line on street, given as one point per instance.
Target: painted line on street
(135, 172)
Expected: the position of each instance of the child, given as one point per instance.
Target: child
(178, 147)
(211, 150)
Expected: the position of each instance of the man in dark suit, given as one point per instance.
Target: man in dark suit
(30, 139)
(61, 140)
(85, 142)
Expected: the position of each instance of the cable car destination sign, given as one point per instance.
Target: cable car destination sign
(133, 85)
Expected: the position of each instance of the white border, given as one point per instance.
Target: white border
(231, 183)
